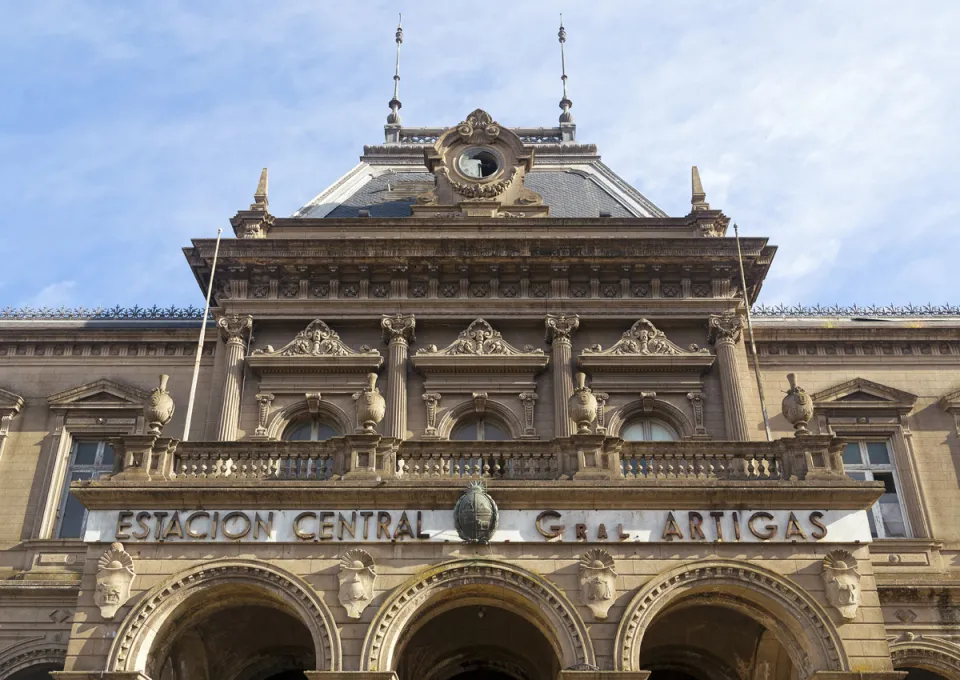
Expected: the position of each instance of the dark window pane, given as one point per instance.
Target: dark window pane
(857, 475)
(71, 524)
(493, 433)
(324, 431)
(86, 453)
(299, 432)
(107, 459)
(851, 454)
(465, 433)
(888, 483)
(877, 453)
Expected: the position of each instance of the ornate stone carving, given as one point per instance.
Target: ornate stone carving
(313, 402)
(357, 577)
(560, 327)
(842, 582)
(529, 400)
(475, 515)
(398, 328)
(479, 339)
(644, 338)
(696, 403)
(234, 327)
(478, 128)
(316, 340)
(726, 328)
(602, 399)
(264, 401)
(432, 400)
(371, 406)
(160, 407)
(797, 406)
(114, 577)
(477, 190)
(598, 582)
(582, 407)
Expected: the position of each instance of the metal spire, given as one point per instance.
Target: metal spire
(565, 103)
(394, 117)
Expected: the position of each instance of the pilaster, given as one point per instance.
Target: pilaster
(560, 329)
(725, 332)
(233, 330)
(398, 333)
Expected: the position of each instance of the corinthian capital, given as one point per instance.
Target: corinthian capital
(398, 328)
(725, 327)
(560, 326)
(234, 327)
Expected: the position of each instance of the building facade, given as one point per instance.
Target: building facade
(480, 410)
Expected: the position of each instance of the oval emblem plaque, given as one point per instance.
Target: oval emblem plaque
(475, 515)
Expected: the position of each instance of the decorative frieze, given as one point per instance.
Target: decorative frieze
(867, 350)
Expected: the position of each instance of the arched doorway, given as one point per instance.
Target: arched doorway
(476, 642)
(920, 674)
(693, 641)
(38, 672)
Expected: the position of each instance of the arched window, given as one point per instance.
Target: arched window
(648, 430)
(479, 428)
(309, 430)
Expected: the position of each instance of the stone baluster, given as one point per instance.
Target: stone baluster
(725, 333)
(233, 331)
(559, 330)
(398, 333)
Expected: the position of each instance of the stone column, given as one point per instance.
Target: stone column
(398, 333)
(725, 332)
(559, 330)
(233, 330)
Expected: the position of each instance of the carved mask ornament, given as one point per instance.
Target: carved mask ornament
(597, 582)
(357, 577)
(842, 582)
(114, 578)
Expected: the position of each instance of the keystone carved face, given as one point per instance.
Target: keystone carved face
(842, 582)
(597, 582)
(114, 578)
(357, 577)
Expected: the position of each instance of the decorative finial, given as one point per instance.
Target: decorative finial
(565, 103)
(260, 201)
(698, 198)
(394, 117)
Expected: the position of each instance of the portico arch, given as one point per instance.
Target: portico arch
(157, 617)
(792, 615)
(476, 582)
(936, 656)
(32, 659)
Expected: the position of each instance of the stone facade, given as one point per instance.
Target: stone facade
(560, 362)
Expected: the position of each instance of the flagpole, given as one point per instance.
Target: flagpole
(753, 345)
(203, 334)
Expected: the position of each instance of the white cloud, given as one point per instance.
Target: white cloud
(60, 294)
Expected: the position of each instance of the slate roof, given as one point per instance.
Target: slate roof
(571, 178)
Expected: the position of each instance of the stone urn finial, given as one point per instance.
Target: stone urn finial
(371, 406)
(160, 407)
(797, 406)
(582, 407)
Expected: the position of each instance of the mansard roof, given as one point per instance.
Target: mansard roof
(570, 176)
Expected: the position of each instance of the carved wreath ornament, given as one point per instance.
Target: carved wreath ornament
(644, 338)
(317, 339)
(479, 339)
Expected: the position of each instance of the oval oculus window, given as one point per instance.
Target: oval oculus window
(478, 163)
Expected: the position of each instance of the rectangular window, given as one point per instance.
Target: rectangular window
(88, 460)
(871, 460)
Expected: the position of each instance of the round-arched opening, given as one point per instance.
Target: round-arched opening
(695, 641)
(311, 429)
(919, 673)
(232, 632)
(480, 428)
(38, 672)
(648, 430)
(479, 163)
(476, 642)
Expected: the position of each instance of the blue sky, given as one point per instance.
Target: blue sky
(129, 128)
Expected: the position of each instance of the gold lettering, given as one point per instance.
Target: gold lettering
(736, 525)
(621, 534)
(717, 516)
(671, 530)
(350, 527)
(581, 532)
(601, 533)
(259, 524)
(821, 531)
(366, 515)
(403, 527)
(175, 528)
(770, 530)
(159, 516)
(235, 535)
(298, 528)
(214, 524)
(123, 524)
(554, 531)
(188, 525)
(794, 528)
(695, 520)
(420, 532)
(142, 519)
(383, 524)
(326, 526)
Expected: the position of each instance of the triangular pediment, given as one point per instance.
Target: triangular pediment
(10, 402)
(103, 393)
(861, 393)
